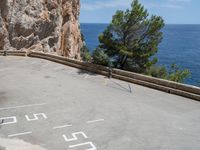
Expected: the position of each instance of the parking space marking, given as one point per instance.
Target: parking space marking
(18, 134)
(82, 144)
(23, 106)
(94, 121)
(64, 126)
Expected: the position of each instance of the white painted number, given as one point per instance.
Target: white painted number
(74, 135)
(74, 138)
(36, 117)
(8, 120)
(82, 144)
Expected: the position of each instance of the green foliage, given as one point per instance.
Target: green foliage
(100, 57)
(175, 73)
(132, 38)
(85, 54)
(158, 72)
(131, 41)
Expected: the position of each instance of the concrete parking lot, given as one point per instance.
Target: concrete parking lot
(50, 106)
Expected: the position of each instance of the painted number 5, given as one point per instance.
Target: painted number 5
(74, 138)
(36, 117)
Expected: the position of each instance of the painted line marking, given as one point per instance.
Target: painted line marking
(94, 121)
(86, 76)
(18, 134)
(64, 126)
(23, 106)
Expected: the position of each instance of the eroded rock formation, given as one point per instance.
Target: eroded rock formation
(41, 25)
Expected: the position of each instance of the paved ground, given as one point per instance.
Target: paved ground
(57, 107)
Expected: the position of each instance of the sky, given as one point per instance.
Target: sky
(173, 11)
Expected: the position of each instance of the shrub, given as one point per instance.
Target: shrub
(85, 54)
(158, 72)
(175, 73)
(178, 74)
(100, 57)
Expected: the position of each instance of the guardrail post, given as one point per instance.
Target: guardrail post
(5, 53)
(110, 72)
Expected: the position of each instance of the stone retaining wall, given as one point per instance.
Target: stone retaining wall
(162, 82)
(12, 53)
(71, 62)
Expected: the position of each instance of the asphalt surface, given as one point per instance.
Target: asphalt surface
(58, 107)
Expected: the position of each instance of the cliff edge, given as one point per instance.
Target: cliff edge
(41, 25)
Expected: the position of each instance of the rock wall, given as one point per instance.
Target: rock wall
(41, 25)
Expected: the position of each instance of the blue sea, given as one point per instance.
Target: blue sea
(180, 45)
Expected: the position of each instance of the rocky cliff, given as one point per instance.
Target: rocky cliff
(41, 25)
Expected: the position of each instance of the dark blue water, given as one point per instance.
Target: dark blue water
(180, 45)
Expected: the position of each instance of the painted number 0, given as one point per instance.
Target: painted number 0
(11, 120)
(36, 117)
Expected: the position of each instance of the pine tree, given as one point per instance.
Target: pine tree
(132, 38)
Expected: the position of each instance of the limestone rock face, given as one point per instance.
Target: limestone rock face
(41, 25)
